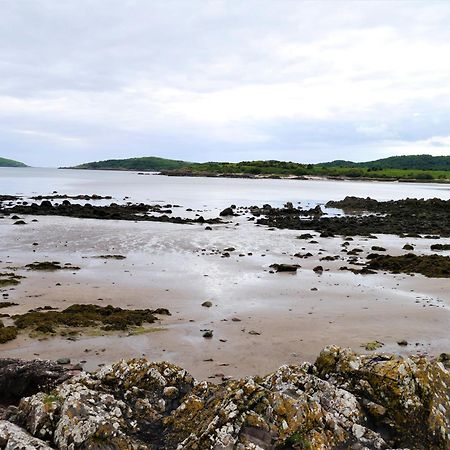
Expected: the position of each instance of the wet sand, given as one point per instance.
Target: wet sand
(166, 267)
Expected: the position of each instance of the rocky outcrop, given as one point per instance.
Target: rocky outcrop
(343, 401)
(409, 398)
(19, 378)
(13, 437)
(409, 217)
(113, 211)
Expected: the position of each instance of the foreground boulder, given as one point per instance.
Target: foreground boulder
(14, 438)
(342, 401)
(408, 397)
(19, 378)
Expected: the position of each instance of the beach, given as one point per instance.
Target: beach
(260, 319)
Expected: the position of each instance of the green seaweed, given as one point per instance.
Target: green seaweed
(79, 316)
(432, 266)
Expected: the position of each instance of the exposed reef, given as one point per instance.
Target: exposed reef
(433, 266)
(114, 211)
(410, 217)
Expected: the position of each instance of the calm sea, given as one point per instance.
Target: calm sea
(201, 192)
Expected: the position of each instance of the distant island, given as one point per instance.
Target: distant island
(4, 162)
(148, 163)
(404, 168)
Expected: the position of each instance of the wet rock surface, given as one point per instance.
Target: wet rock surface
(114, 211)
(342, 401)
(435, 266)
(411, 217)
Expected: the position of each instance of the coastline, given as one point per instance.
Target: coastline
(263, 177)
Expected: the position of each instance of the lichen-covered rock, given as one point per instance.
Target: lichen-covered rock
(410, 397)
(343, 401)
(290, 408)
(118, 407)
(14, 438)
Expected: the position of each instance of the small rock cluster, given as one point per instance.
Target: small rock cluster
(343, 401)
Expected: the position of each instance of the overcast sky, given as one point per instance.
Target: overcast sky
(203, 80)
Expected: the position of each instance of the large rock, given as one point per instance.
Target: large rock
(290, 407)
(409, 397)
(14, 438)
(19, 377)
(343, 401)
(119, 407)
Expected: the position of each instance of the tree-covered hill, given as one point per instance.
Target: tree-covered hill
(4, 162)
(416, 162)
(149, 163)
(417, 167)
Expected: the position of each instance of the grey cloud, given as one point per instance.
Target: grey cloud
(94, 79)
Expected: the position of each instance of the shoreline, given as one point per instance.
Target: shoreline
(263, 177)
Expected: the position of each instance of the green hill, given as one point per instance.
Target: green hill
(414, 162)
(149, 163)
(416, 167)
(11, 163)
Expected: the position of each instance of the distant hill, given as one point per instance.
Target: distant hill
(415, 162)
(417, 167)
(148, 163)
(11, 163)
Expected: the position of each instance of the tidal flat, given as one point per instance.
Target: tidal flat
(255, 319)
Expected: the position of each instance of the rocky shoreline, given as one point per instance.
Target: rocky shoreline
(342, 401)
(189, 173)
(136, 212)
(365, 217)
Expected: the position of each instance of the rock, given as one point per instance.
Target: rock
(406, 218)
(207, 304)
(63, 360)
(305, 236)
(408, 247)
(20, 222)
(444, 358)
(13, 437)
(374, 345)
(19, 377)
(113, 211)
(435, 266)
(208, 334)
(440, 247)
(413, 392)
(340, 402)
(285, 267)
(227, 212)
(318, 269)
(402, 343)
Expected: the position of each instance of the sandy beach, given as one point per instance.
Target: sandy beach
(259, 319)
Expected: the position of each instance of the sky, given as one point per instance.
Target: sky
(205, 80)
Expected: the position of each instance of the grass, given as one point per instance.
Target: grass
(281, 168)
